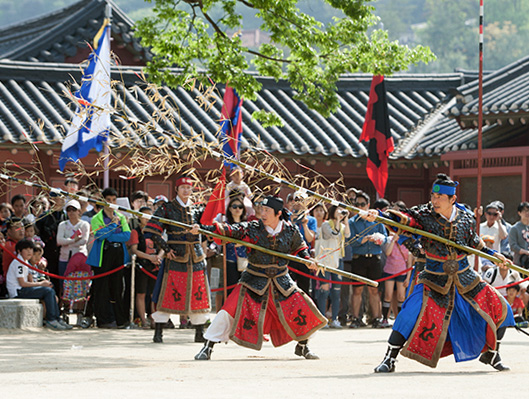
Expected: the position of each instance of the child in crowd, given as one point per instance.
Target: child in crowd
(238, 187)
(30, 232)
(20, 284)
(517, 305)
(38, 261)
(6, 211)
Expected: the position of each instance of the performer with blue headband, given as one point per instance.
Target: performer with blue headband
(451, 310)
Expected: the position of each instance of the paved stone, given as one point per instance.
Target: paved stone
(20, 313)
(96, 363)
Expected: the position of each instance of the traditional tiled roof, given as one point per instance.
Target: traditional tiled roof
(505, 94)
(58, 36)
(429, 114)
(505, 113)
(33, 101)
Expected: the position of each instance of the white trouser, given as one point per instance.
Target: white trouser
(195, 318)
(220, 327)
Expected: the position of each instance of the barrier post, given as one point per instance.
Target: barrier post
(132, 289)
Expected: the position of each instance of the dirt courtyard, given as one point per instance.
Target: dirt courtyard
(97, 363)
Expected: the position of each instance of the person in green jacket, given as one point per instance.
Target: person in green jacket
(111, 232)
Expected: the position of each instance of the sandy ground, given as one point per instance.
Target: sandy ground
(126, 364)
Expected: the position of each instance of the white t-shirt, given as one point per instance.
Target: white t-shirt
(66, 239)
(16, 270)
(511, 277)
(493, 231)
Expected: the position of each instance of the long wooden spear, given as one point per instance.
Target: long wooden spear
(62, 193)
(388, 222)
(306, 192)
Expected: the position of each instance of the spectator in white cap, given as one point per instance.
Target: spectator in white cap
(72, 235)
(504, 244)
(492, 226)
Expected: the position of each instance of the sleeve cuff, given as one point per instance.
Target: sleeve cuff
(489, 251)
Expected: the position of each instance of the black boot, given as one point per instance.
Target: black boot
(303, 350)
(199, 333)
(493, 358)
(158, 333)
(388, 364)
(205, 352)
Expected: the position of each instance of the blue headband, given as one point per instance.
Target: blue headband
(442, 189)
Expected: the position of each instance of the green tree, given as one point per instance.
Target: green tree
(452, 32)
(310, 55)
(399, 16)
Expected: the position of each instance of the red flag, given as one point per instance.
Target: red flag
(216, 203)
(231, 124)
(377, 133)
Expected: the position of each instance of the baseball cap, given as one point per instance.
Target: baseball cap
(74, 204)
(159, 198)
(492, 205)
(499, 205)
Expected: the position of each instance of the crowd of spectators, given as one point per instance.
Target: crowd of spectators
(47, 232)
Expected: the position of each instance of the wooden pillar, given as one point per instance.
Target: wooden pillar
(525, 179)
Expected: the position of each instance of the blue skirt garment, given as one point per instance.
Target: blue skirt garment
(466, 331)
(158, 284)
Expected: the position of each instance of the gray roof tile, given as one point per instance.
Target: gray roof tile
(35, 92)
(59, 35)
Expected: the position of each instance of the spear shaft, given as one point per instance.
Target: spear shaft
(306, 192)
(289, 257)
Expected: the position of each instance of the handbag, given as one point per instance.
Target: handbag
(242, 264)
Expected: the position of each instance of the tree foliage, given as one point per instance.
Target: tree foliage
(452, 32)
(198, 37)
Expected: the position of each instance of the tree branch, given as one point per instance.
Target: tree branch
(258, 54)
(246, 3)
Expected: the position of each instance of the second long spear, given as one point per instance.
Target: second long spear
(289, 257)
(306, 192)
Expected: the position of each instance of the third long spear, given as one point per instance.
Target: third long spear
(62, 193)
(306, 193)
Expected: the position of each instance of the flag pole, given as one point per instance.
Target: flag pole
(106, 150)
(480, 124)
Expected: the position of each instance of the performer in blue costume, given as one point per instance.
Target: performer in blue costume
(451, 310)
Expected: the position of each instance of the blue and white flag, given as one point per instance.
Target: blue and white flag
(91, 123)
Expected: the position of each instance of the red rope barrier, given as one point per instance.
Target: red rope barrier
(154, 277)
(222, 288)
(512, 284)
(146, 272)
(336, 282)
(61, 277)
(347, 282)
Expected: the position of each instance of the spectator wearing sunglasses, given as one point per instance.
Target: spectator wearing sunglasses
(72, 235)
(493, 226)
(236, 256)
(504, 244)
(367, 239)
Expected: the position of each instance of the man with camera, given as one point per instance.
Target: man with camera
(308, 226)
(366, 241)
(493, 226)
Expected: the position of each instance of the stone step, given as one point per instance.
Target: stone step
(20, 313)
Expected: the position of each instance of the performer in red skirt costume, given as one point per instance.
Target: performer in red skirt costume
(266, 300)
(182, 285)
